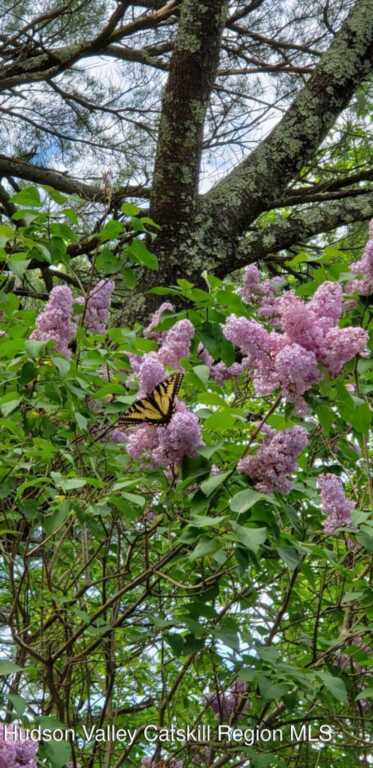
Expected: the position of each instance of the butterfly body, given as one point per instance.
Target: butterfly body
(157, 407)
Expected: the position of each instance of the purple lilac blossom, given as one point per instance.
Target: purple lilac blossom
(260, 292)
(297, 371)
(342, 345)
(310, 337)
(327, 301)
(364, 268)
(97, 307)
(16, 753)
(170, 444)
(118, 436)
(176, 343)
(250, 337)
(149, 331)
(334, 503)
(275, 461)
(151, 373)
(55, 322)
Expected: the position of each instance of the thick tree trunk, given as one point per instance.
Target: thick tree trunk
(191, 78)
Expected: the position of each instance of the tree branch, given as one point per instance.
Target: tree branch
(299, 227)
(10, 166)
(260, 179)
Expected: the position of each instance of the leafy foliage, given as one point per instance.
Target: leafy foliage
(129, 592)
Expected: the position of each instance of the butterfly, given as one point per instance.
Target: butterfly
(157, 408)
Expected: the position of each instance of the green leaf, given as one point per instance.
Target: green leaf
(19, 703)
(205, 547)
(28, 373)
(205, 521)
(202, 372)
(244, 500)
(221, 421)
(10, 406)
(111, 230)
(251, 538)
(107, 262)
(57, 752)
(213, 482)
(130, 209)
(366, 693)
(269, 689)
(360, 416)
(134, 498)
(19, 266)
(142, 255)
(58, 197)
(290, 556)
(366, 540)
(335, 685)
(62, 364)
(27, 196)
(68, 483)
(8, 667)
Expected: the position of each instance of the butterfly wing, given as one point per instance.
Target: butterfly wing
(157, 408)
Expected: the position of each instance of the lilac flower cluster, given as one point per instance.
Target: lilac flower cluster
(176, 343)
(97, 306)
(181, 437)
(334, 503)
(309, 340)
(364, 267)
(16, 753)
(260, 292)
(275, 461)
(170, 444)
(231, 701)
(55, 322)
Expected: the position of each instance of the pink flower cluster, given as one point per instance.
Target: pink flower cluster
(260, 292)
(55, 322)
(16, 753)
(97, 306)
(275, 461)
(165, 445)
(169, 444)
(231, 701)
(364, 267)
(308, 342)
(334, 503)
(150, 368)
